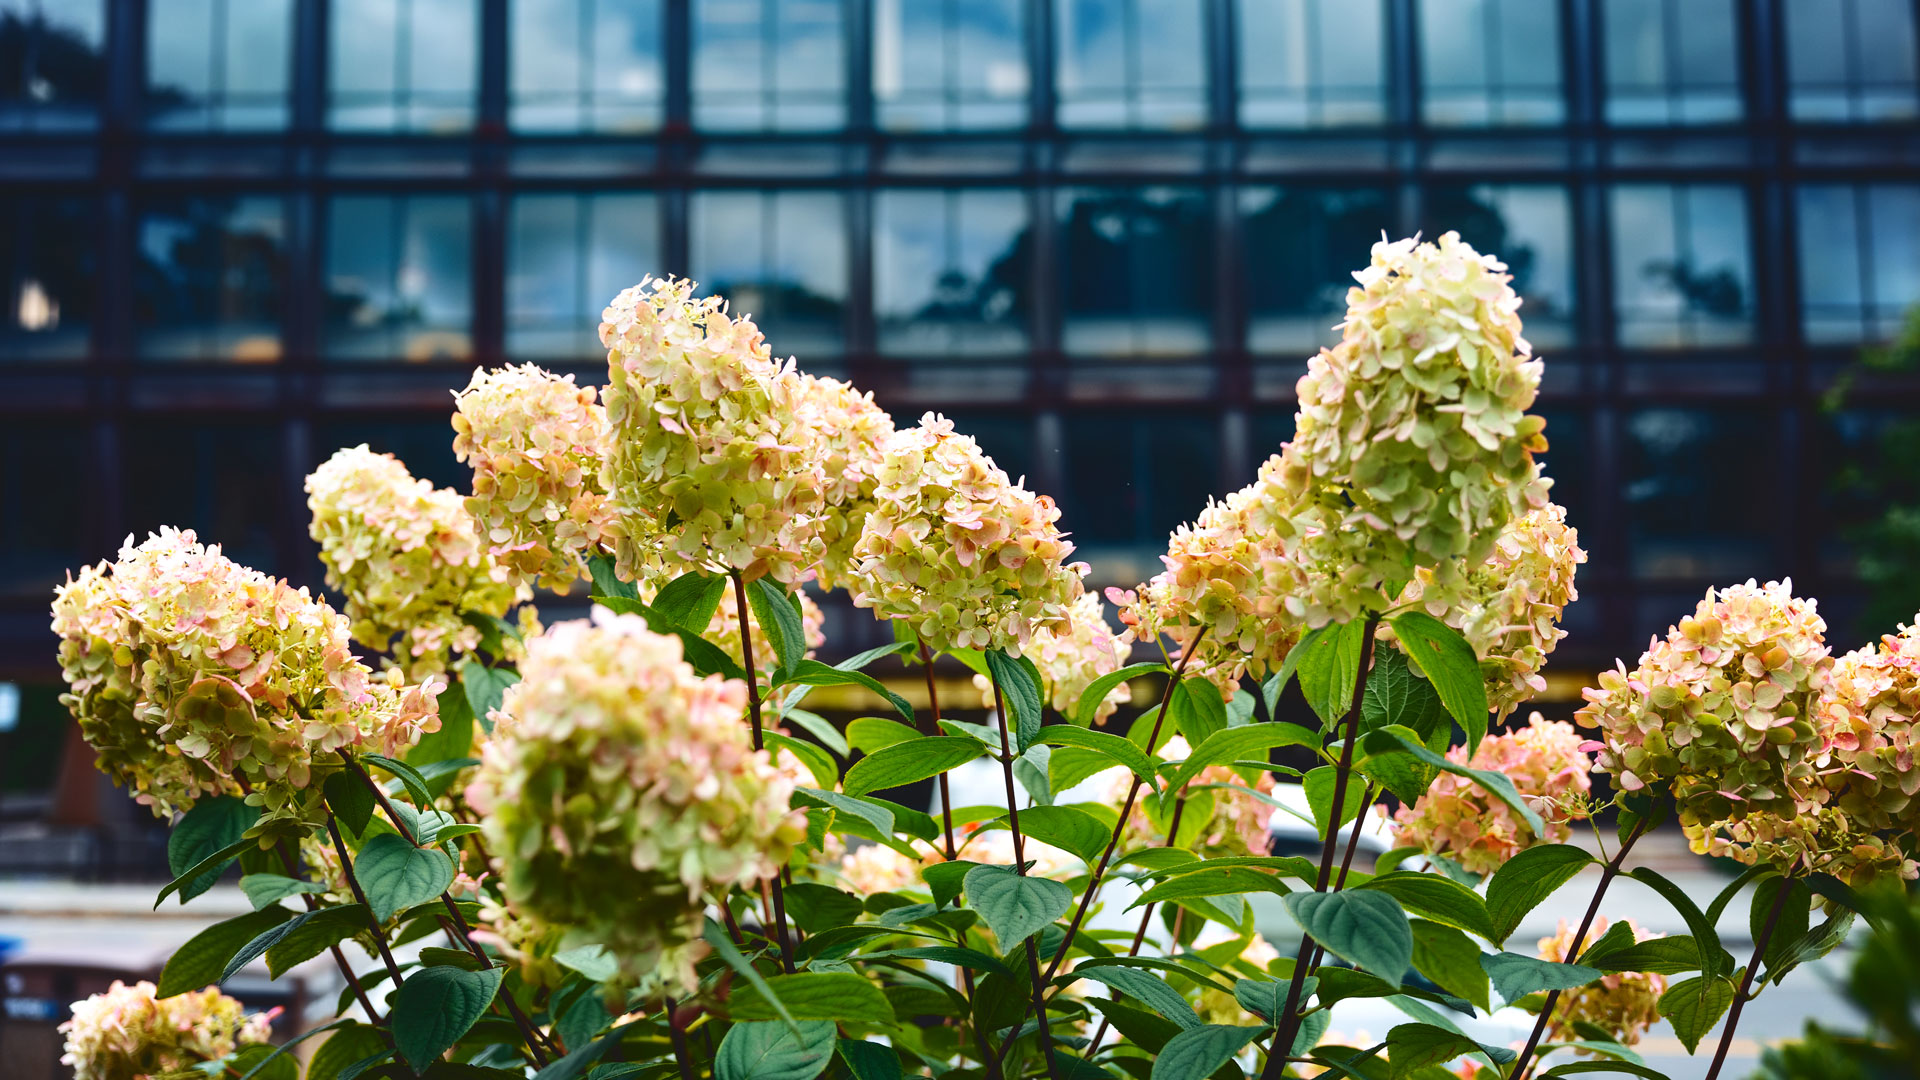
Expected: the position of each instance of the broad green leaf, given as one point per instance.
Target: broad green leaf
(1151, 991)
(1415, 1046)
(263, 941)
(350, 800)
(1792, 924)
(344, 1047)
(261, 1061)
(908, 762)
(815, 673)
(1195, 1054)
(265, 889)
(1329, 666)
(691, 599)
(396, 875)
(1212, 881)
(813, 995)
(702, 655)
(1451, 960)
(1019, 685)
(1364, 928)
(870, 1061)
(1732, 889)
(1115, 749)
(946, 879)
(1694, 1006)
(871, 733)
(484, 687)
(1663, 956)
(1631, 1068)
(453, 739)
(817, 726)
(1276, 683)
(1384, 741)
(608, 584)
(820, 764)
(577, 1062)
(769, 1050)
(717, 937)
(435, 1006)
(325, 928)
(1163, 862)
(1068, 829)
(1515, 976)
(1450, 665)
(1441, 899)
(1097, 690)
(1197, 710)
(1234, 744)
(204, 957)
(1031, 770)
(1015, 906)
(778, 613)
(1713, 957)
(1264, 998)
(433, 955)
(408, 776)
(595, 962)
(1523, 882)
(1397, 694)
(209, 865)
(1068, 766)
(1812, 944)
(816, 907)
(973, 959)
(880, 819)
(1143, 1028)
(1319, 784)
(213, 825)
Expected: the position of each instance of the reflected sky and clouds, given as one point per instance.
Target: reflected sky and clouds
(567, 257)
(399, 277)
(585, 65)
(951, 274)
(1851, 59)
(1682, 265)
(949, 64)
(1858, 261)
(402, 65)
(769, 65)
(779, 256)
(1672, 61)
(1491, 63)
(219, 65)
(1311, 63)
(1131, 63)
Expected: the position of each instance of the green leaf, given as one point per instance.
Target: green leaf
(1143, 1028)
(261, 942)
(946, 879)
(204, 957)
(1067, 829)
(213, 825)
(691, 599)
(454, 739)
(1523, 882)
(606, 583)
(945, 954)
(769, 1050)
(816, 907)
(316, 933)
(880, 818)
(484, 687)
(1397, 694)
(1276, 683)
(344, 1047)
(433, 955)
(1097, 690)
(212, 864)
(817, 726)
(1515, 976)
(778, 613)
(1115, 749)
(1451, 960)
(261, 1061)
(1318, 786)
(1631, 1068)
(1329, 666)
(815, 673)
(1150, 990)
(435, 1006)
(577, 1061)
(1197, 710)
(820, 764)
(1195, 1054)
(1416, 1046)
(1812, 944)
(1211, 881)
(1451, 666)
(1361, 927)
(1385, 741)
(717, 937)
(265, 889)
(1015, 906)
(1714, 958)
(1438, 898)
(870, 1061)
(702, 655)
(1233, 744)
(1662, 956)
(396, 875)
(873, 733)
(1694, 1006)
(908, 762)
(350, 801)
(814, 995)
(1794, 919)
(408, 776)
(1019, 686)
(595, 962)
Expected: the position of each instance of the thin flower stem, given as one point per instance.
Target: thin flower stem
(1020, 867)
(933, 728)
(753, 712)
(1607, 873)
(1289, 1016)
(1746, 981)
(679, 1033)
(360, 895)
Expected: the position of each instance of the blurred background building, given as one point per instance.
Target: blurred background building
(1102, 235)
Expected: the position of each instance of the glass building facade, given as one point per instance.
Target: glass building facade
(1102, 235)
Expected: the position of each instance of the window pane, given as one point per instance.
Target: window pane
(1530, 229)
(1133, 477)
(43, 511)
(769, 65)
(402, 65)
(46, 276)
(424, 445)
(1490, 63)
(1672, 62)
(567, 257)
(948, 65)
(1682, 272)
(1858, 272)
(1303, 245)
(951, 272)
(1131, 64)
(1851, 60)
(208, 477)
(1311, 63)
(52, 64)
(586, 65)
(209, 277)
(1138, 272)
(780, 257)
(218, 65)
(1699, 494)
(399, 282)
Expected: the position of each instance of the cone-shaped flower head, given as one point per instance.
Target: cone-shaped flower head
(1721, 713)
(536, 444)
(849, 433)
(957, 550)
(618, 788)
(405, 556)
(711, 461)
(1070, 655)
(129, 1034)
(187, 670)
(1624, 1004)
(1457, 819)
(1413, 445)
(1509, 607)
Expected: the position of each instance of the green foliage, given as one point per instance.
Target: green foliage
(435, 1006)
(396, 875)
(1449, 664)
(769, 1050)
(1364, 928)
(1526, 881)
(211, 827)
(1015, 906)
(907, 762)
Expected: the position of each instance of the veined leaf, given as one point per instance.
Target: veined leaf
(769, 1050)
(1097, 691)
(1526, 880)
(813, 995)
(691, 599)
(1068, 829)
(212, 826)
(1232, 744)
(396, 875)
(437, 1005)
(1015, 906)
(1396, 739)
(1116, 749)
(778, 613)
(1359, 926)
(1515, 976)
(907, 762)
(1019, 685)
(1450, 665)
(1196, 1053)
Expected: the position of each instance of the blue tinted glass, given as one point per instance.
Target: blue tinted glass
(402, 65)
(944, 65)
(951, 272)
(586, 65)
(1672, 62)
(1311, 63)
(1530, 228)
(769, 65)
(1682, 266)
(52, 64)
(399, 284)
(1859, 271)
(567, 257)
(208, 279)
(424, 446)
(218, 65)
(1131, 63)
(1851, 60)
(47, 276)
(1490, 63)
(780, 257)
(1138, 272)
(1303, 245)
(44, 513)
(1699, 490)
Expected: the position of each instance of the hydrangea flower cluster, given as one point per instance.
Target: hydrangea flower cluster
(187, 670)
(535, 442)
(1721, 712)
(1457, 819)
(405, 556)
(1413, 445)
(1235, 823)
(129, 1034)
(710, 458)
(724, 630)
(1624, 1004)
(957, 550)
(618, 788)
(850, 434)
(1070, 655)
(1509, 607)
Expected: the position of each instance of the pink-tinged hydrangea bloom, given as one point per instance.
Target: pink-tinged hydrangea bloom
(1624, 1004)
(711, 459)
(876, 868)
(405, 556)
(1413, 446)
(536, 443)
(1217, 822)
(1070, 655)
(850, 432)
(1509, 607)
(1721, 713)
(957, 550)
(724, 630)
(618, 788)
(129, 1034)
(187, 670)
(1456, 818)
